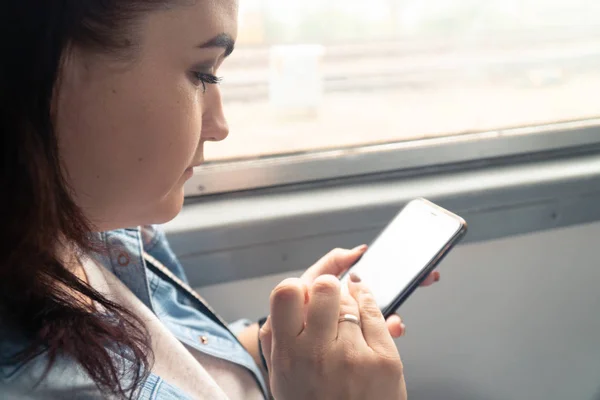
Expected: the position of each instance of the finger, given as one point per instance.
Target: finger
(395, 326)
(374, 328)
(266, 341)
(323, 309)
(348, 331)
(287, 309)
(431, 279)
(334, 263)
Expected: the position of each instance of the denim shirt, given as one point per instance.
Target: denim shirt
(67, 380)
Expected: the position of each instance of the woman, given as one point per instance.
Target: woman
(105, 107)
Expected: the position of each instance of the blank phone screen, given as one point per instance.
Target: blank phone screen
(404, 248)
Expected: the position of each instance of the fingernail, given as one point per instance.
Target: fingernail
(354, 278)
(437, 278)
(403, 329)
(362, 248)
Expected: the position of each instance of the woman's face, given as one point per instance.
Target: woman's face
(130, 130)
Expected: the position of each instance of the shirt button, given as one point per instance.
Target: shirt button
(204, 339)
(123, 259)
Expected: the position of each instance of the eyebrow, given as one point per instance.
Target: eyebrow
(223, 40)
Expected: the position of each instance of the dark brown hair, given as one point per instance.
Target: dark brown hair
(36, 289)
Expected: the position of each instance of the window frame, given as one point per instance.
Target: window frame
(442, 154)
(226, 238)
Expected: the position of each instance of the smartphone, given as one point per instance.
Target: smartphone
(407, 251)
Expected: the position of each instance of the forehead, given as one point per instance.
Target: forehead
(191, 23)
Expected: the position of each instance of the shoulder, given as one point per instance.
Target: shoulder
(31, 379)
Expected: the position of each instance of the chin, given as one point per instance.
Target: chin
(169, 207)
(158, 212)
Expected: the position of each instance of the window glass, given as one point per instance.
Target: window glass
(313, 75)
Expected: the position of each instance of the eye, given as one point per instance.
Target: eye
(203, 78)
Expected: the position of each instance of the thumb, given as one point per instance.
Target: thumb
(334, 263)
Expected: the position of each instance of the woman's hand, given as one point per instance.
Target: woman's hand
(312, 355)
(339, 260)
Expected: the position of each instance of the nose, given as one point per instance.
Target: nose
(214, 124)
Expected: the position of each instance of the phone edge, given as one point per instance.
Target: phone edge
(403, 296)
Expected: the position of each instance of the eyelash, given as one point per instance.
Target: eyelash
(205, 79)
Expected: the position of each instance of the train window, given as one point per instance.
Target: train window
(321, 90)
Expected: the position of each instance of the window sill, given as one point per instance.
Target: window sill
(238, 237)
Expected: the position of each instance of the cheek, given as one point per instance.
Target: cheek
(126, 149)
(169, 137)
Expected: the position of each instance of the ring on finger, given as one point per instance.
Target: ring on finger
(349, 318)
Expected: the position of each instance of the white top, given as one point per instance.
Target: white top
(199, 375)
